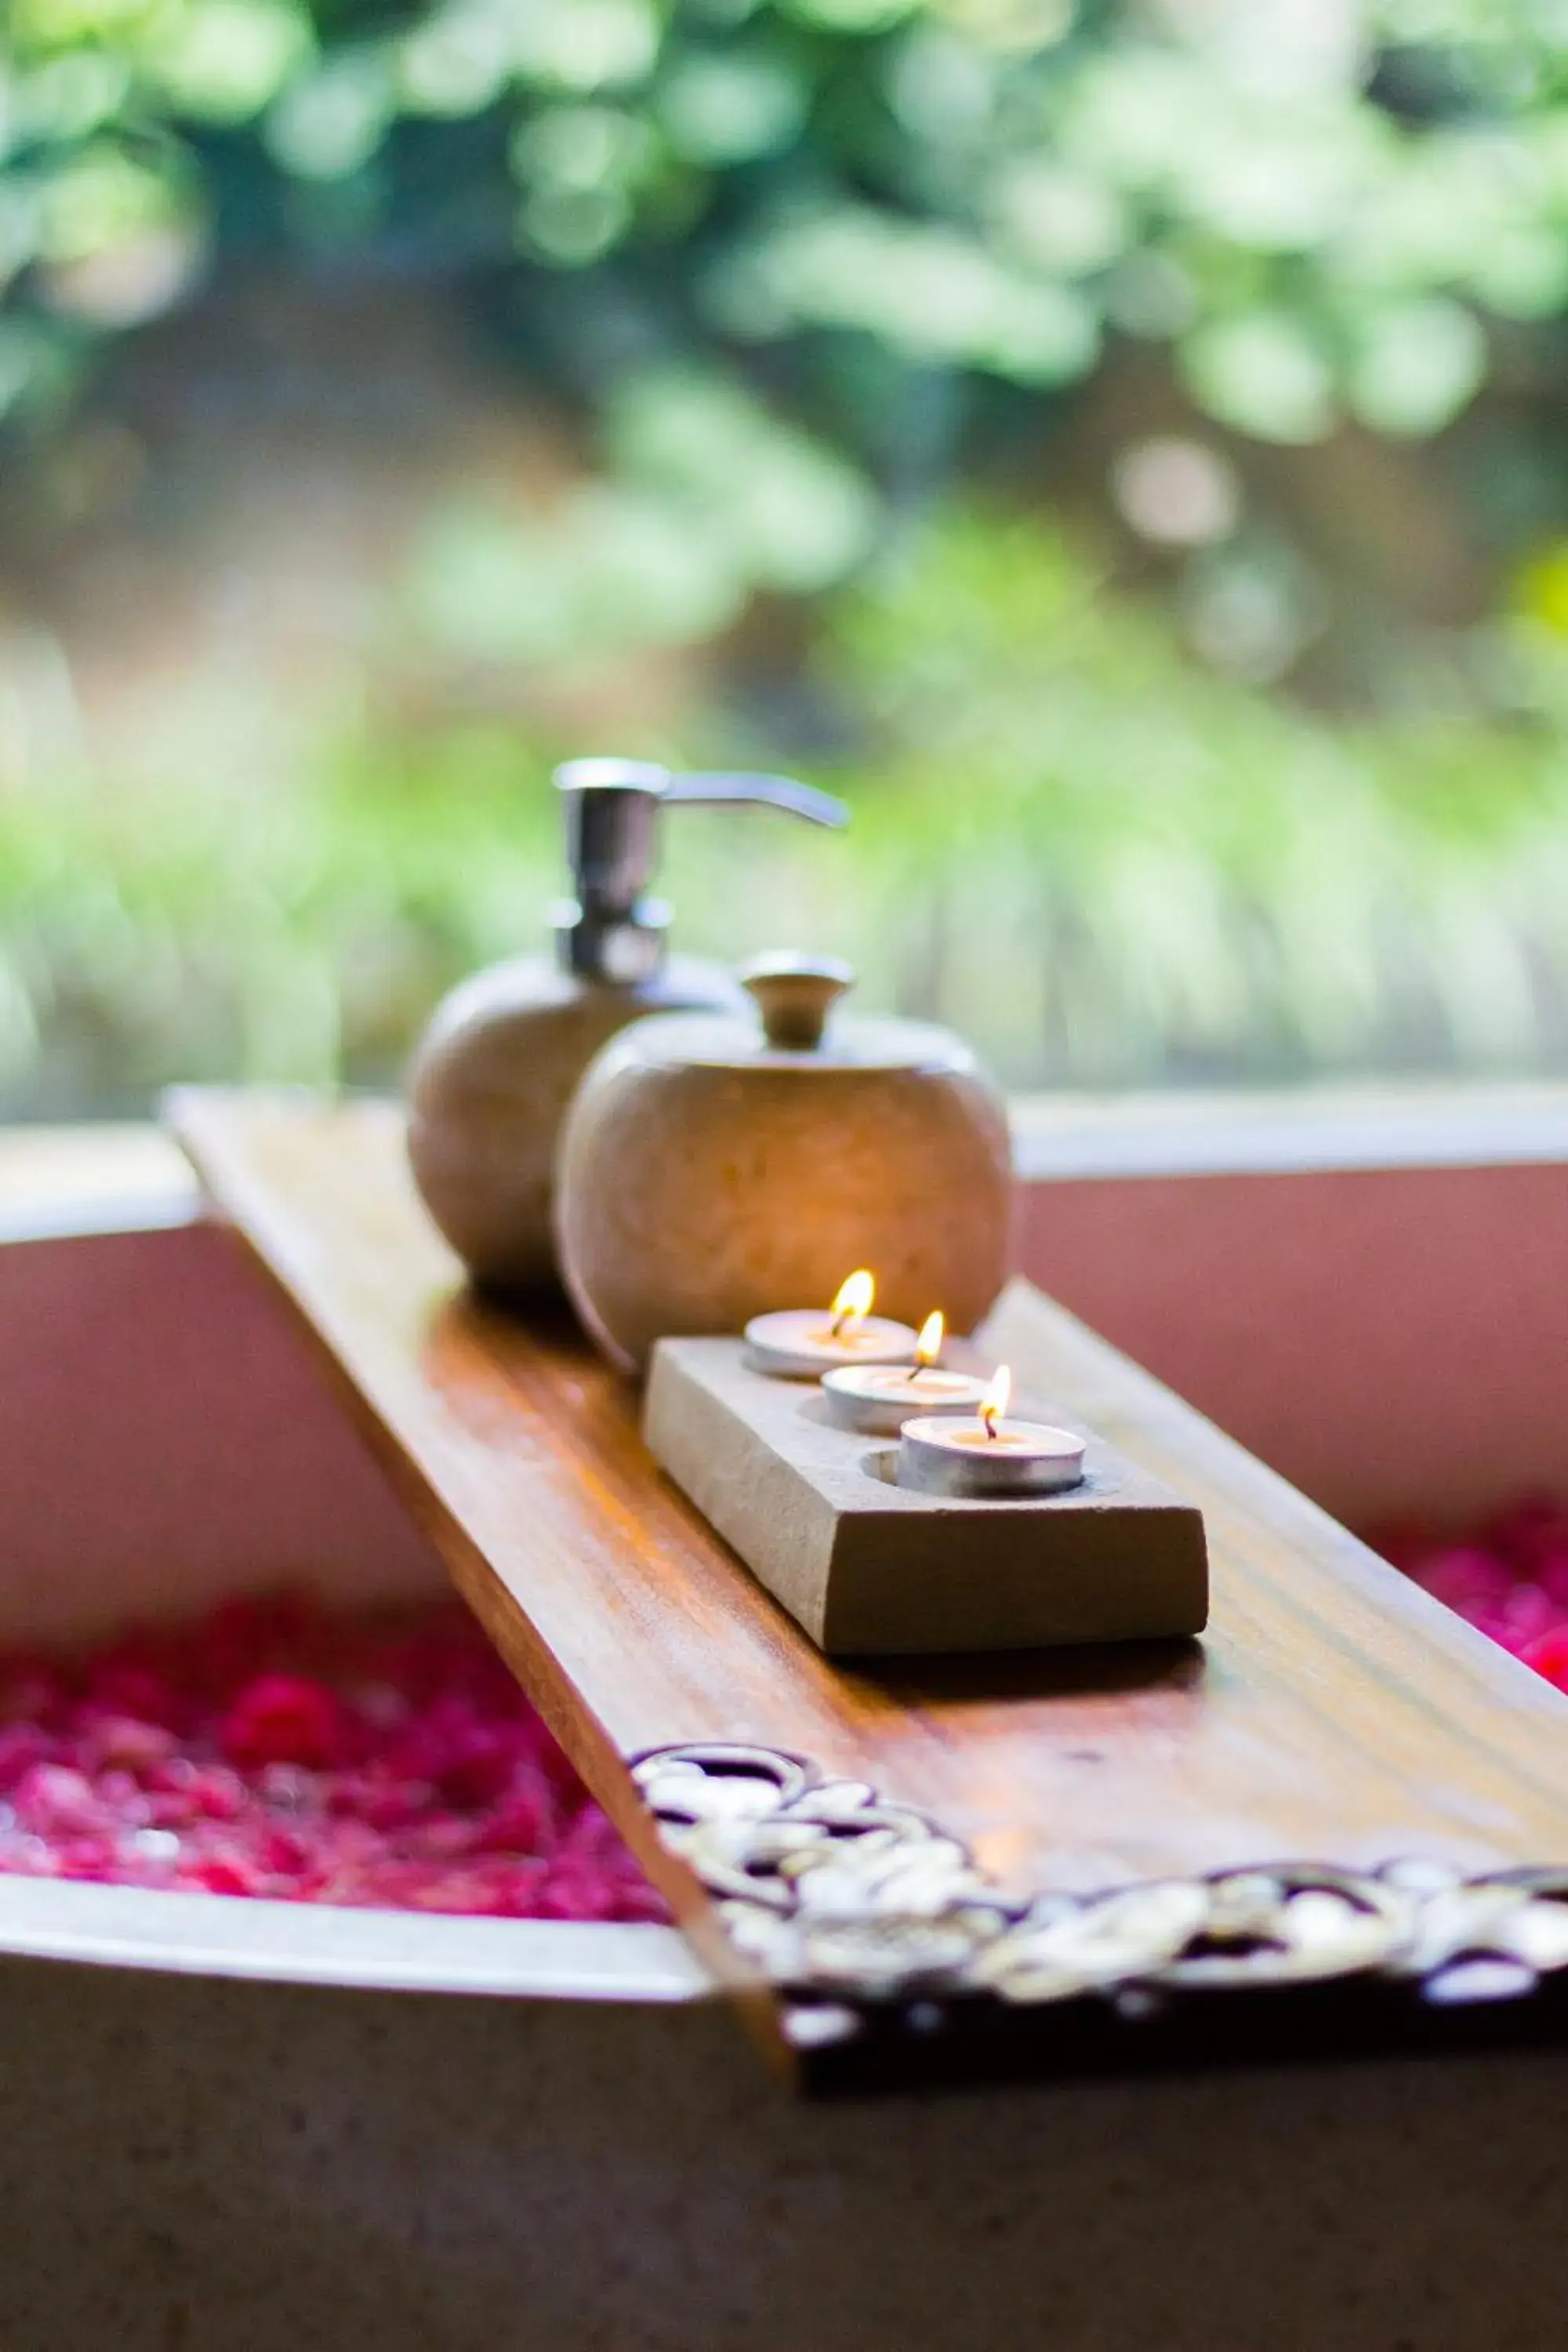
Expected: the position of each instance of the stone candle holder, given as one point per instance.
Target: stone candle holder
(868, 1567)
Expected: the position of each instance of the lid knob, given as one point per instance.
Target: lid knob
(794, 995)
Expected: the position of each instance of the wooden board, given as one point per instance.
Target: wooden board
(1332, 1715)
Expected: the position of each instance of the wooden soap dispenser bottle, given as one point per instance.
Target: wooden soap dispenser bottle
(492, 1076)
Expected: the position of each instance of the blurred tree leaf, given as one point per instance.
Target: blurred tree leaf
(1320, 205)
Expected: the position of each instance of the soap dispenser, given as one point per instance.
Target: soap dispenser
(495, 1070)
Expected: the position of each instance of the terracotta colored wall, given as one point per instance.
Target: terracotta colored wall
(164, 1436)
(1392, 1339)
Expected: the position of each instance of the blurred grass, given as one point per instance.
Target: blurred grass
(1103, 862)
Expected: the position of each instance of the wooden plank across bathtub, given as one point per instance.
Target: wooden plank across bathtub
(1332, 1715)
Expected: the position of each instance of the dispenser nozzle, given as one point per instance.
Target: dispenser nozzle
(769, 792)
(612, 930)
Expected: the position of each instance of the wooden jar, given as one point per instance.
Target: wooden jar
(710, 1170)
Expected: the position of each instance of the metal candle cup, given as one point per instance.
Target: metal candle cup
(1012, 1457)
(877, 1400)
(800, 1343)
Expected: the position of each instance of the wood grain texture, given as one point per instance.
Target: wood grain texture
(1332, 1711)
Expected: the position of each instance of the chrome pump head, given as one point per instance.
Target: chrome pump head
(612, 929)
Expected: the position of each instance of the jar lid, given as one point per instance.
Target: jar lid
(798, 1027)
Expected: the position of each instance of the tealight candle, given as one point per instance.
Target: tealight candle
(989, 1457)
(878, 1399)
(801, 1343)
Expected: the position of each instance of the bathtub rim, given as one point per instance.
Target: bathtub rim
(176, 1933)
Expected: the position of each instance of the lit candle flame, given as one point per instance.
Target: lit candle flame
(994, 1403)
(928, 1347)
(853, 1303)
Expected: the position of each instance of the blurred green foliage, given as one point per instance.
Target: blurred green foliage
(705, 499)
(1325, 207)
(1103, 862)
(796, 268)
